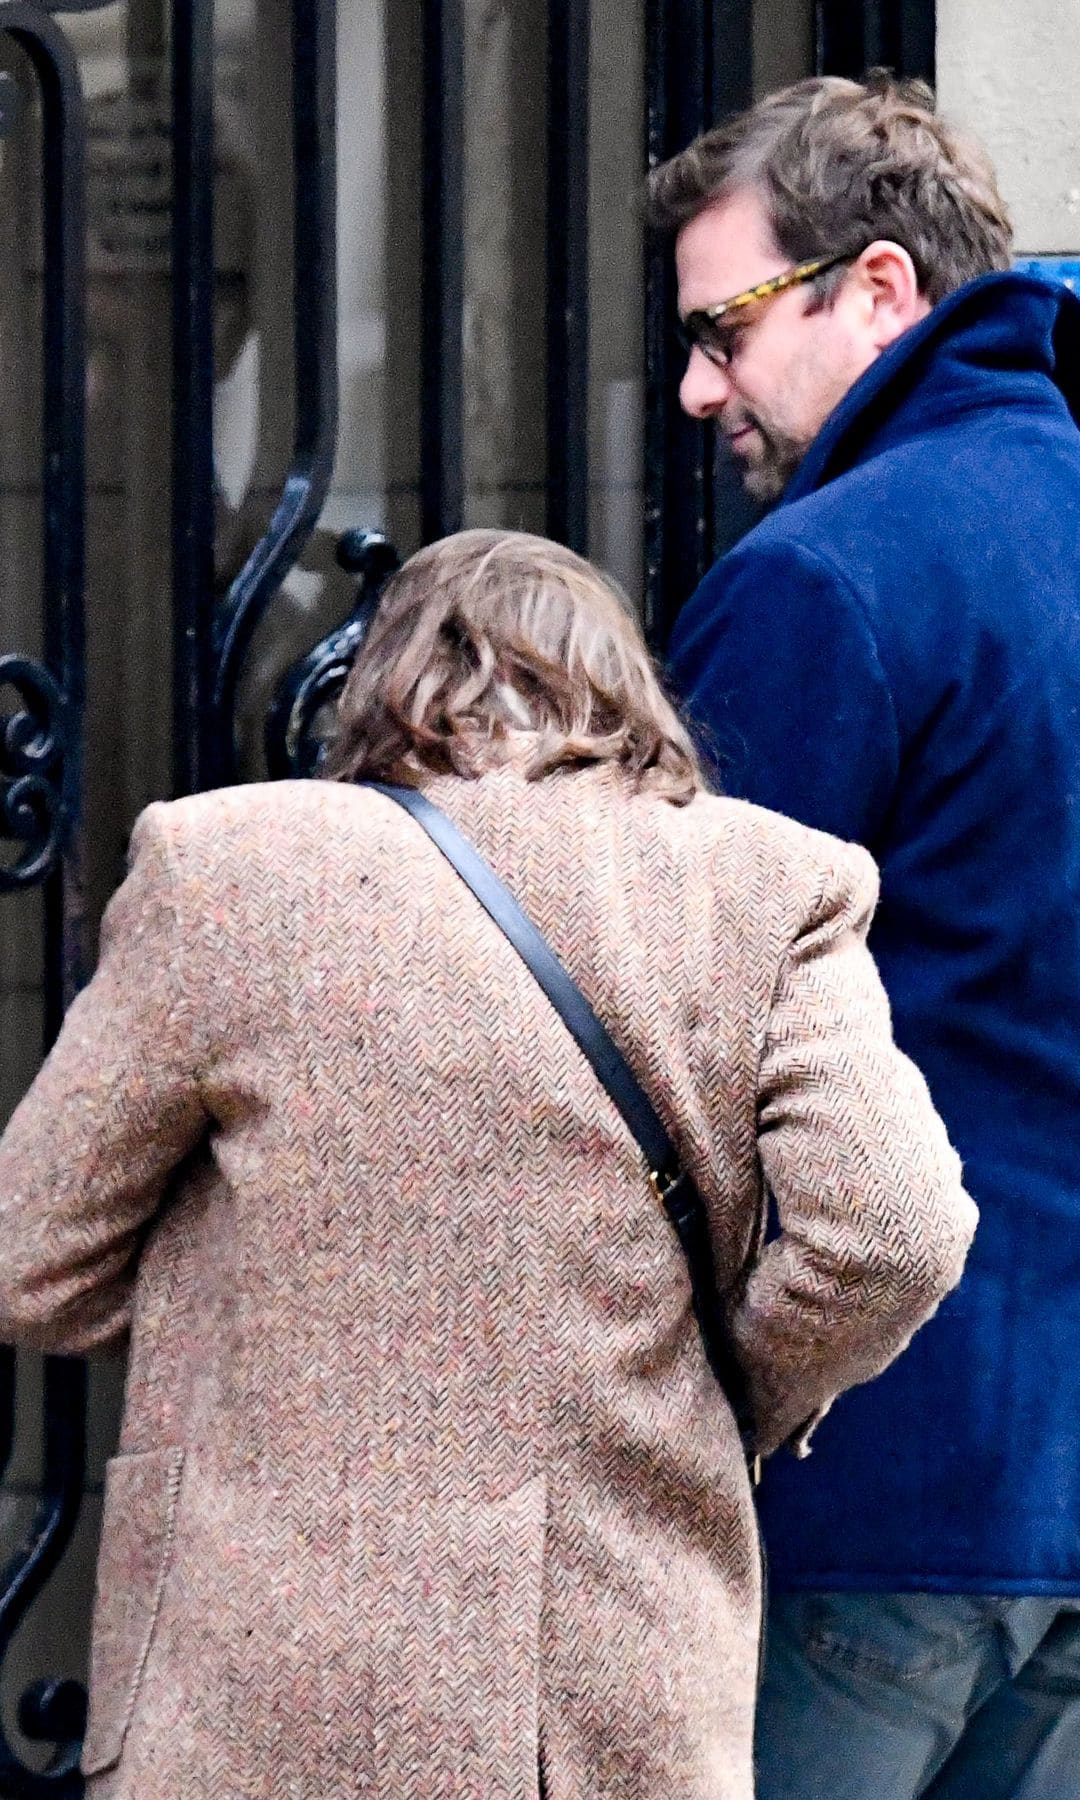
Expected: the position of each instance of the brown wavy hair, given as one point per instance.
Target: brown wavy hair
(841, 163)
(497, 646)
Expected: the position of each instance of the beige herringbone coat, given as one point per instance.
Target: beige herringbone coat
(422, 1465)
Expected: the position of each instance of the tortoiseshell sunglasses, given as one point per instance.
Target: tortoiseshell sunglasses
(707, 329)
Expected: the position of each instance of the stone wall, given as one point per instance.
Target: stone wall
(1011, 73)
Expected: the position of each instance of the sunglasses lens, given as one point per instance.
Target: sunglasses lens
(698, 332)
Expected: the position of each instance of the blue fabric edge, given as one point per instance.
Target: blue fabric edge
(893, 1583)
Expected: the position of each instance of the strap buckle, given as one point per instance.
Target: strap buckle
(664, 1182)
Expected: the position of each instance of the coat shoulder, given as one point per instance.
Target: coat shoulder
(800, 868)
(233, 821)
(262, 802)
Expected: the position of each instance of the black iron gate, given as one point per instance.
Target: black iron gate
(40, 814)
(698, 65)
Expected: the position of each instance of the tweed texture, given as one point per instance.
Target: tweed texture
(422, 1466)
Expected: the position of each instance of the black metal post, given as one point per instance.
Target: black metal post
(314, 80)
(52, 1711)
(442, 280)
(41, 767)
(568, 273)
(730, 27)
(856, 35)
(698, 66)
(194, 736)
(64, 496)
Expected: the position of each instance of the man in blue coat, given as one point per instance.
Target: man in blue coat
(893, 654)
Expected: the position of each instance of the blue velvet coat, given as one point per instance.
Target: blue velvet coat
(893, 655)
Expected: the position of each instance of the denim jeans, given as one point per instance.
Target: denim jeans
(893, 1696)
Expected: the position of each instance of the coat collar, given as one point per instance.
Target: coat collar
(994, 340)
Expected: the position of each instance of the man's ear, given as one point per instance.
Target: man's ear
(886, 289)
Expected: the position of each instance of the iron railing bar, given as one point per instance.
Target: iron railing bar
(63, 557)
(729, 57)
(64, 1407)
(657, 331)
(442, 276)
(63, 479)
(688, 498)
(678, 459)
(918, 40)
(568, 273)
(843, 37)
(698, 67)
(854, 35)
(192, 391)
(7, 1405)
(315, 360)
(730, 62)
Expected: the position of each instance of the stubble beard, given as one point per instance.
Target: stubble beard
(768, 474)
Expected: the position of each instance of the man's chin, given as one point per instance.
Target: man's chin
(768, 465)
(764, 482)
(749, 450)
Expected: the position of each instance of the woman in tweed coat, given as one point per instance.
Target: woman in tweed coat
(424, 1486)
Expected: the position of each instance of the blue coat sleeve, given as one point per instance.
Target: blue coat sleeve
(776, 664)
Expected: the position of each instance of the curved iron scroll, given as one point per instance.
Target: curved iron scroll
(32, 745)
(293, 741)
(41, 784)
(315, 357)
(52, 1711)
(40, 773)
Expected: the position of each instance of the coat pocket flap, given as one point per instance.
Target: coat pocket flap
(138, 1521)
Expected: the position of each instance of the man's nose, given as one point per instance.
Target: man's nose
(705, 389)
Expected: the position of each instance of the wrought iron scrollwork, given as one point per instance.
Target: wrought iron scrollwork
(40, 736)
(32, 811)
(294, 739)
(49, 1711)
(211, 640)
(39, 764)
(315, 360)
(40, 809)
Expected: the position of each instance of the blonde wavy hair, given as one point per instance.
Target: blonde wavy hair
(497, 646)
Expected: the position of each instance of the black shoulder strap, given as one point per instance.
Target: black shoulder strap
(670, 1182)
